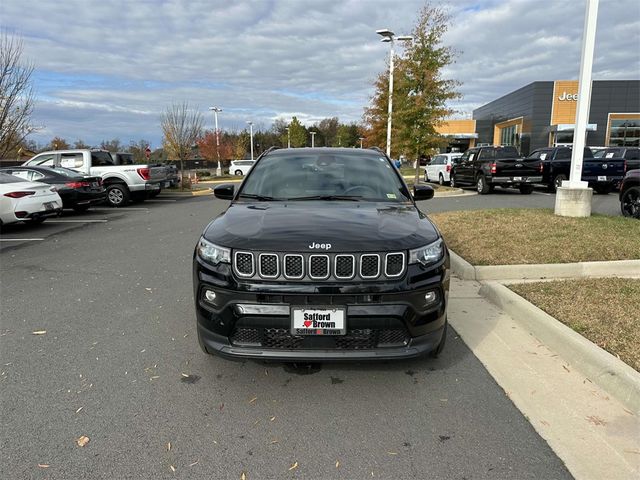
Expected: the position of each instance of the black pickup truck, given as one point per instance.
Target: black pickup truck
(603, 174)
(486, 167)
(631, 156)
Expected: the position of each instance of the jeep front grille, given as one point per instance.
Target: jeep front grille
(319, 267)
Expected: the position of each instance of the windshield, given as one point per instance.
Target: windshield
(325, 176)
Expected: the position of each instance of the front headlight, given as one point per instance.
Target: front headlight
(428, 254)
(213, 253)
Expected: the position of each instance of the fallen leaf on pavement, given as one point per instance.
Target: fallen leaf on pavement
(44, 465)
(168, 446)
(253, 399)
(566, 368)
(39, 332)
(272, 418)
(596, 420)
(221, 406)
(294, 466)
(337, 463)
(194, 463)
(82, 441)
(243, 476)
(173, 469)
(274, 441)
(185, 375)
(78, 410)
(392, 453)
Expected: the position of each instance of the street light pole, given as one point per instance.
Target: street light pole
(361, 139)
(389, 36)
(251, 129)
(288, 138)
(215, 111)
(313, 135)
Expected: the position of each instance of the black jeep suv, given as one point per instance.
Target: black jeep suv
(321, 255)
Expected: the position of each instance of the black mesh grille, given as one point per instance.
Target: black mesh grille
(395, 264)
(357, 339)
(244, 263)
(344, 266)
(280, 338)
(293, 266)
(319, 266)
(392, 337)
(246, 336)
(269, 265)
(369, 265)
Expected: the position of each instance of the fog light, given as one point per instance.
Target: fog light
(210, 296)
(430, 297)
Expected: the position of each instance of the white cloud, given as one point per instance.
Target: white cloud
(108, 69)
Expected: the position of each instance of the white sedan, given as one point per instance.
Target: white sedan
(24, 201)
(240, 167)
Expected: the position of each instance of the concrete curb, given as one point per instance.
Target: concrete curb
(610, 373)
(616, 268)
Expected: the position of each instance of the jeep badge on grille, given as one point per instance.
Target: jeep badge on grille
(320, 246)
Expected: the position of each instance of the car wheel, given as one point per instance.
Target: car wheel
(238, 172)
(117, 195)
(452, 181)
(526, 189)
(441, 179)
(438, 350)
(482, 187)
(557, 181)
(81, 208)
(630, 203)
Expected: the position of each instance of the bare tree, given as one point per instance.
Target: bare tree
(181, 127)
(16, 95)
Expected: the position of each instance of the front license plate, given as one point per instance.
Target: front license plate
(601, 178)
(49, 206)
(318, 321)
(517, 179)
(166, 184)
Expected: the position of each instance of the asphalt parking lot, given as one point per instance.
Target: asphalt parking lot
(115, 358)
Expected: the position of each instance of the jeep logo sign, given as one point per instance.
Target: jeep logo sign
(568, 96)
(320, 246)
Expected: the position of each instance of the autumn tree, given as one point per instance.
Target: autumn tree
(138, 150)
(114, 145)
(298, 133)
(181, 128)
(58, 143)
(16, 95)
(79, 144)
(242, 144)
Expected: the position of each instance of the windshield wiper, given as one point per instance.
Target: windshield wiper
(262, 198)
(353, 198)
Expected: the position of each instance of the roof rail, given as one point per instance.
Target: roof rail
(268, 150)
(379, 150)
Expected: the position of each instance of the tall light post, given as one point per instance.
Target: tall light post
(389, 36)
(288, 138)
(215, 111)
(313, 136)
(251, 129)
(361, 139)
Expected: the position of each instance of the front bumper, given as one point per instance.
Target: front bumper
(384, 320)
(516, 180)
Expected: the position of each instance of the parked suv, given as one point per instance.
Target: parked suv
(439, 168)
(240, 167)
(631, 155)
(322, 254)
(630, 194)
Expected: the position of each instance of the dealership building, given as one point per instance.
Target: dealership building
(542, 114)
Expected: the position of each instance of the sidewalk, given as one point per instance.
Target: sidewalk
(594, 434)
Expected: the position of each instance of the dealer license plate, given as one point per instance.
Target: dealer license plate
(602, 178)
(318, 321)
(49, 206)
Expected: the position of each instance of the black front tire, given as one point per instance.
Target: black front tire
(118, 195)
(238, 173)
(452, 181)
(630, 203)
(526, 189)
(441, 180)
(557, 182)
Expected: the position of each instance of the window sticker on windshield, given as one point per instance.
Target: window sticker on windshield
(543, 156)
(391, 195)
(609, 155)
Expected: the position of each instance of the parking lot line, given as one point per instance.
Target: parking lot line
(126, 209)
(543, 193)
(21, 239)
(159, 201)
(88, 220)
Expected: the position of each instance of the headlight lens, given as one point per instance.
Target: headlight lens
(428, 254)
(213, 253)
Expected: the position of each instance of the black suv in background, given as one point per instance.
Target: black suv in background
(630, 155)
(322, 254)
(630, 194)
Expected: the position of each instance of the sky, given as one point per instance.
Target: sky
(108, 68)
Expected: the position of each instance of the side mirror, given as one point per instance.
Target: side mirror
(422, 192)
(224, 191)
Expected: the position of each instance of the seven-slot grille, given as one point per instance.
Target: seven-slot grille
(315, 266)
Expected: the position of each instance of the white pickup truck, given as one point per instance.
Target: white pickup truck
(122, 182)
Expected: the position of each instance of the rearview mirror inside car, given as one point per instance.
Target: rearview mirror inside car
(422, 192)
(225, 191)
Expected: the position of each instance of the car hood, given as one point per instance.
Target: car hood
(346, 226)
